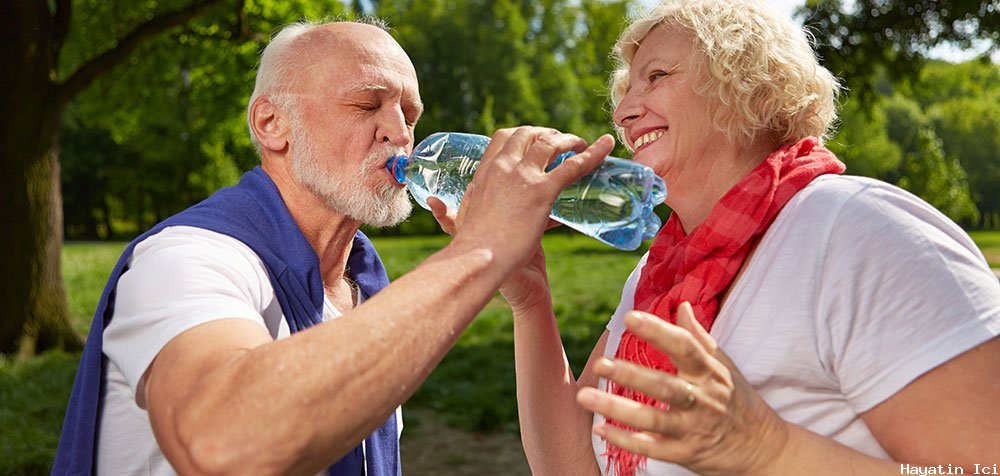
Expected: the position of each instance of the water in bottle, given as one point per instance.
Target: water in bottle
(613, 203)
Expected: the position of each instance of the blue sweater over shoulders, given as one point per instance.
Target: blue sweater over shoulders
(252, 212)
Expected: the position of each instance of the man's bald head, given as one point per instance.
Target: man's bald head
(299, 47)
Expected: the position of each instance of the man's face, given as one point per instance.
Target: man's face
(355, 107)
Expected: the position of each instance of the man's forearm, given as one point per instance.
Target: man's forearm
(300, 402)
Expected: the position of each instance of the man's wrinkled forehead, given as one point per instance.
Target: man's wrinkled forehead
(357, 58)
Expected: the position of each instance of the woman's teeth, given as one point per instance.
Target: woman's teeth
(649, 137)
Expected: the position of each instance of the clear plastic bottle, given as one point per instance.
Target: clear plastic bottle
(613, 203)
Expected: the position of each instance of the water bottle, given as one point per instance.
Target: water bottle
(613, 203)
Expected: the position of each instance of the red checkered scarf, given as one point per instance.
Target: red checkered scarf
(699, 267)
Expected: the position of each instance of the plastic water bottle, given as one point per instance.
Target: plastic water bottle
(613, 203)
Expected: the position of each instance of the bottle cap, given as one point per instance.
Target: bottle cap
(397, 167)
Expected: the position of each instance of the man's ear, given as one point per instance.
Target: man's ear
(269, 124)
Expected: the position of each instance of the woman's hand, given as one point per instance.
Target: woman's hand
(525, 288)
(715, 423)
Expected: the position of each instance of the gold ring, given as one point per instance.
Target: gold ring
(689, 401)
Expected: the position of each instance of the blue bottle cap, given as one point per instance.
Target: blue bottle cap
(397, 167)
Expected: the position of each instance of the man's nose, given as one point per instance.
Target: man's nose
(394, 130)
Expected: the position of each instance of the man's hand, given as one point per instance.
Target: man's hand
(523, 289)
(506, 206)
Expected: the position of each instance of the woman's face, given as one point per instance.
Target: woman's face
(667, 125)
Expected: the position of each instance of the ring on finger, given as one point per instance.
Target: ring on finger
(689, 399)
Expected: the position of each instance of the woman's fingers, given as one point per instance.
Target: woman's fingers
(634, 442)
(686, 352)
(440, 212)
(661, 386)
(630, 412)
(686, 319)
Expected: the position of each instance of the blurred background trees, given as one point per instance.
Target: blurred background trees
(929, 126)
(162, 124)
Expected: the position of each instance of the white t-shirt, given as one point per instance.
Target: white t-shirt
(178, 279)
(855, 290)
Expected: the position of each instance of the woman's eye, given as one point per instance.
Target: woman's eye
(656, 75)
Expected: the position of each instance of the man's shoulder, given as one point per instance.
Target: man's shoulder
(178, 245)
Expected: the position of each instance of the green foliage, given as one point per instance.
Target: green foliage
(170, 122)
(970, 132)
(925, 170)
(963, 104)
(485, 64)
(940, 81)
(862, 141)
(33, 398)
(860, 39)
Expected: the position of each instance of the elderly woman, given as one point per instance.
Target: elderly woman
(787, 319)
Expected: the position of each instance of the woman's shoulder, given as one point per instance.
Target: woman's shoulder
(871, 222)
(852, 201)
(832, 192)
(867, 217)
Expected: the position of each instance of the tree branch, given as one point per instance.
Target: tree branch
(60, 27)
(107, 60)
(241, 28)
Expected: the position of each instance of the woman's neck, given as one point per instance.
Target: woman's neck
(693, 196)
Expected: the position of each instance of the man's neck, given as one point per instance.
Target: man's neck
(330, 233)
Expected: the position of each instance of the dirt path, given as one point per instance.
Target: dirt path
(431, 448)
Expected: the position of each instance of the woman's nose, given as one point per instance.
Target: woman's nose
(627, 111)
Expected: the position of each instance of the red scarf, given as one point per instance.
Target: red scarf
(699, 267)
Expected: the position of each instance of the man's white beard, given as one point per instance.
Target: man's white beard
(386, 205)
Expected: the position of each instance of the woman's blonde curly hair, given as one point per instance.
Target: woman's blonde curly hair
(756, 64)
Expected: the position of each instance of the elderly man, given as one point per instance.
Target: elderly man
(233, 335)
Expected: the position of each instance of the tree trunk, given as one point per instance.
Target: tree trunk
(41, 304)
(34, 315)
(109, 231)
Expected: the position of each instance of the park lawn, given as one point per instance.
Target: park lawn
(989, 243)
(473, 386)
(472, 389)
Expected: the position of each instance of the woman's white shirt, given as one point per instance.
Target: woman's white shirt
(856, 289)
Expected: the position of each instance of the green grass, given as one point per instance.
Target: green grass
(86, 267)
(989, 243)
(33, 397)
(473, 388)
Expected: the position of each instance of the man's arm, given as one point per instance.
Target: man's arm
(223, 397)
